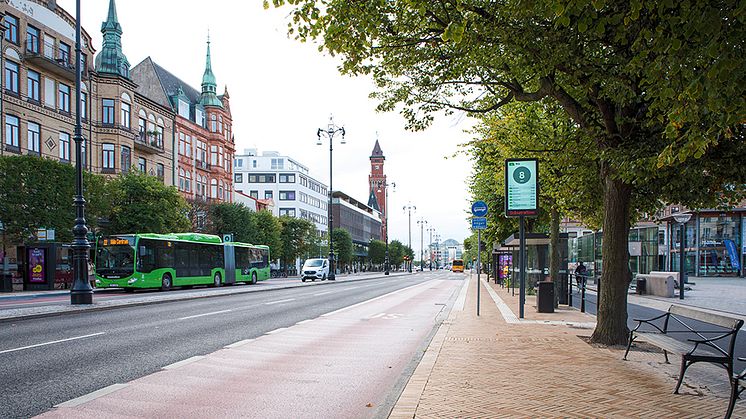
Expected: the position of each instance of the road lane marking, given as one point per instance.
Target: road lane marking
(373, 299)
(461, 300)
(92, 396)
(305, 321)
(239, 343)
(52, 342)
(276, 331)
(280, 301)
(182, 363)
(204, 314)
(324, 293)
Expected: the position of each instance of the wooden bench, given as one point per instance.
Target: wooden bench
(717, 349)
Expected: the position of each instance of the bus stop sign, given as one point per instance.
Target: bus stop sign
(479, 208)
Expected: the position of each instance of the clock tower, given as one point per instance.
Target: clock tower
(377, 183)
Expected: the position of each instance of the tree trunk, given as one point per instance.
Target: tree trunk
(611, 327)
(554, 255)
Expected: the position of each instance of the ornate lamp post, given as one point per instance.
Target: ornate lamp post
(330, 131)
(385, 186)
(682, 219)
(422, 224)
(409, 208)
(81, 292)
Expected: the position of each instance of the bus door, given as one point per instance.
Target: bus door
(229, 253)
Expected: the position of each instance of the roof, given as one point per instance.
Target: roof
(172, 83)
(377, 152)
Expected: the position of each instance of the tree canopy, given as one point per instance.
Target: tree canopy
(297, 237)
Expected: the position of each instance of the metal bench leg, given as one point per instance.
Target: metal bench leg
(735, 391)
(665, 355)
(684, 365)
(629, 344)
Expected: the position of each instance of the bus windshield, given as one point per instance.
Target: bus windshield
(457, 262)
(115, 256)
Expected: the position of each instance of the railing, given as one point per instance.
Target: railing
(149, 139)
(580, 282)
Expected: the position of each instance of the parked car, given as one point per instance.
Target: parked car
(314, 269)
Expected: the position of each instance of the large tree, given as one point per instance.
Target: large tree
(231, 218)
(377, 252)
(143, 204)
(657, 85)
(297, 237)
(266, 230)
(342, 246)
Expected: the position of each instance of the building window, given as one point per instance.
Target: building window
(65, 147)
(64, 98)
(141, 127)
(32, 39)
(287, 212)
(278, 164)
(159, 136)
(287, 178)
(254, 194)
(11, 76)
(188, 182)
(253, 164)
(188, 145)
(107, 157)
(84, 105)
(64, 53)
(142, 164)
(287, 195)
(33, 137)
(268, 195)
(160, 171)
(213, 188)
(11, 29)
(11, 133)
(107, 111)
(214, 155)
(32, 85)
(238, 178)
(238, 163)
(214, 124)
(125, 115)
(262, 178)
(126, 163)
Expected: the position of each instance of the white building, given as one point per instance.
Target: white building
(285, 182)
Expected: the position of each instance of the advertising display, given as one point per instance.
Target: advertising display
(36, 259)
(521, 187)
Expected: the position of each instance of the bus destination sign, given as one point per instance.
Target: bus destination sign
(521, 187)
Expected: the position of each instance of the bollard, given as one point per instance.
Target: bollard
(582, 294)
(569, 290)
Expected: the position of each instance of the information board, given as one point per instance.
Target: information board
(521, 187)
(479, 223)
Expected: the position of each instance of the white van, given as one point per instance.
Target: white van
(314, 269)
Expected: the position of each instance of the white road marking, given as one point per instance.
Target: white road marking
(204, 314)
(239, 343)
(305, 321)
(184, 362)
(92, 396)
(276, 331)
(279, 301)
(52, 342)
(324, 293)
(461, 300)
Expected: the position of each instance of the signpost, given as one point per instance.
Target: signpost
(479, 223)
(521, 200)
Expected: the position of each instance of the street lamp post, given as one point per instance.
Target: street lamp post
(682, 219)
(81, 292)
(431, 230)
(422, 223)
(409, 208)
(385, 186)
(330, 131)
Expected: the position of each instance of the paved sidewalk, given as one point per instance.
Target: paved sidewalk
(488, 367)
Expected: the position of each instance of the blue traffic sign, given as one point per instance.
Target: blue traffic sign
(478, 223)
(479, 208)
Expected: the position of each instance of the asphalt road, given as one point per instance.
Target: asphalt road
(50, 360)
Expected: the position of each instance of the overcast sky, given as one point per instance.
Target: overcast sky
(282, 91)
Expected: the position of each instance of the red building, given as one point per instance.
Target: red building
(378, 185)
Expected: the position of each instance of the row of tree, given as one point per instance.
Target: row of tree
(629, 105)
(37, 193)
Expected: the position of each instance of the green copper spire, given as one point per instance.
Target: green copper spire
(111, 59)
(209, 95)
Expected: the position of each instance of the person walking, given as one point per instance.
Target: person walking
(580, 272)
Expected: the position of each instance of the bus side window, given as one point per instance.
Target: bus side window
(146, 256)
(265, 258)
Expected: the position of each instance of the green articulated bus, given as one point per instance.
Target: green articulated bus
(132, 261)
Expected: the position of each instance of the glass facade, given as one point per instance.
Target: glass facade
(719, 241)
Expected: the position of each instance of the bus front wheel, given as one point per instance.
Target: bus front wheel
(216, 282)
(253, 278)
(166, 282)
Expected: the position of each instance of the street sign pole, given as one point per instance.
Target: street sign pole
(522, 264)
(479, 210)
(479, 264)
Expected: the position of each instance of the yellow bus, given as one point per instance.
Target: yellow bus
(458, 265)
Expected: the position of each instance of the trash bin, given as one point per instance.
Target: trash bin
(6, 282)
(641, 285)
(545, 297)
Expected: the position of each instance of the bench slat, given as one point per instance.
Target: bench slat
(666, 343)
(706, 317)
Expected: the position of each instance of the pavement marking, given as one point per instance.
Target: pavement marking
(324, 293)
(239, 343)
(92, 396)
(461, 300)
(305, 321)
(204, 314)
(182, 363)
(272, 332)
(52, 342)
(373, 299)
(280, 301)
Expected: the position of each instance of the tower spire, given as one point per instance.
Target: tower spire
(209, 84)
(111, 59)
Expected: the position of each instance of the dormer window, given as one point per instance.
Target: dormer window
(183, 108)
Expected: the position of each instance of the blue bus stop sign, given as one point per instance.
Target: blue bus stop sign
(479, 208)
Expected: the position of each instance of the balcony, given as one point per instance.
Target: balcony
(53, 59)
(202, 165)
(149, 142)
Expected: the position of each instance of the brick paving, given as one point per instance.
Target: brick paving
(485, 367)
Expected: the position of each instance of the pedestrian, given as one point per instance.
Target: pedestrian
(580, 272)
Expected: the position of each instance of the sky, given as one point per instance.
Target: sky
(282, 91)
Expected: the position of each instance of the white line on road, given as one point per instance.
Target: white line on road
(92, 396)
(239, 343)
(279, 301)
(184, 362)
(305, 321)
(276, 331)
(204, 314)
(324, 293)
(52, 342)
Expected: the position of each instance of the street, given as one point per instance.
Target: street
(51, 360)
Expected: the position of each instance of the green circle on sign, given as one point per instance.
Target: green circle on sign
(521, 175)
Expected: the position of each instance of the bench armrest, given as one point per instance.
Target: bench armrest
(650, 322)
(742, 359)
